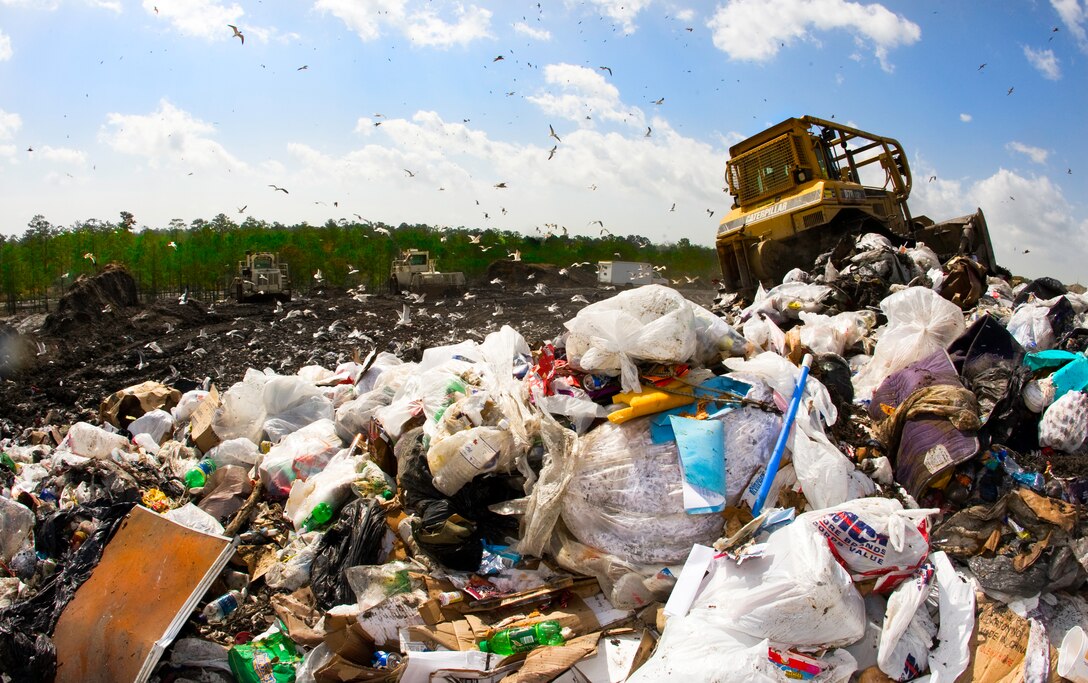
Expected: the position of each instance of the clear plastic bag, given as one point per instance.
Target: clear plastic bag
(298, 456)
(834, 334)
(920, 322)
(291, 403)
(193, 517)
(16, 527)
(240, 452)
(651, 323)
(242, 412)
(458, 458)
(1030, 325)
(762, 332)
(625, 497)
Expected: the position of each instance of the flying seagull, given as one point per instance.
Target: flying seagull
(605, 68)
(276, 188)
(237, 34)
(551, 133)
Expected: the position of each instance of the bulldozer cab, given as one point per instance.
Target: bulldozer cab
(800, 186)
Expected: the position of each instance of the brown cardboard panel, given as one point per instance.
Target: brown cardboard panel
(152, 574)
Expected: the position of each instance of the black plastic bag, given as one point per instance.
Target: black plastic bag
(354, 539)
(24, 627)
(25, 657)
(1042, 288)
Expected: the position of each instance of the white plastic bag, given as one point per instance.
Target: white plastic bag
(908, 630)
(1065, 423)
(187, 404)
(875, 538)
(827, 477)
(920, 322)
(354, 416)
(158, 424)
(797, 594)
(193, 517)
(384, 361)
(694, 649)
(294, 561)
(92, 442)
(1030, 326)
(651, 323)
(762, 332)
(833, 334)
(714, 338)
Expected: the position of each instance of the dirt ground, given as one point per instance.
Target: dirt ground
(56, 369)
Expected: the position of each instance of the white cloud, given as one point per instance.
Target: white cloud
(112, 5)
(1036, 154)
(534, 33)
(426, 28)
(422, 26)
(1044, 62)
(200, 18)
(585, 93)
(1074, 15)
(48, 5)
(10, 123)
(622, 11)
(63, 155)
(754, 30)
(167, 136)
(5, 47)
(966, 118)
(1023, 212)
(685, 15)
(635, 177)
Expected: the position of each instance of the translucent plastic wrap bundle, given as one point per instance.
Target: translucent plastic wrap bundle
(625, 497)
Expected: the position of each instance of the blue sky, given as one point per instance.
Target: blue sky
(153, 107)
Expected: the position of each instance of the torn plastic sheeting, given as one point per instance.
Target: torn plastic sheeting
(1071, 377)
(925, 447)
(117, 629)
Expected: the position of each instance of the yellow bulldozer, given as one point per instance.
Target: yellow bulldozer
(803, 185)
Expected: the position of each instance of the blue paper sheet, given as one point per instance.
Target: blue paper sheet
(702, 463)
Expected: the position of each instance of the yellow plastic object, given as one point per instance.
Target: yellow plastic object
(156, 500)
(651, 400)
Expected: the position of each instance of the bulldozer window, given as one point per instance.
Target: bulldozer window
(417, 260)
(262, 262)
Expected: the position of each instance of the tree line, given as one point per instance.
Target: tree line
(202, 256)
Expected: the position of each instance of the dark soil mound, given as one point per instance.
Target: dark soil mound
(521, 273)
(94, 302)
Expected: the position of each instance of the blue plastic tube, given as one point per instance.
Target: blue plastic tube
(783, 436)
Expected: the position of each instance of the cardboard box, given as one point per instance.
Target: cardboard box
(200, 425)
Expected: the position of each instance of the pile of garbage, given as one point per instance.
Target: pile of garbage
(874, 470)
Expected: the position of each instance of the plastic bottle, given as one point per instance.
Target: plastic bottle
(217, 610)
(512, 640)
(457, 459)
(198, 476)
(319, 516)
